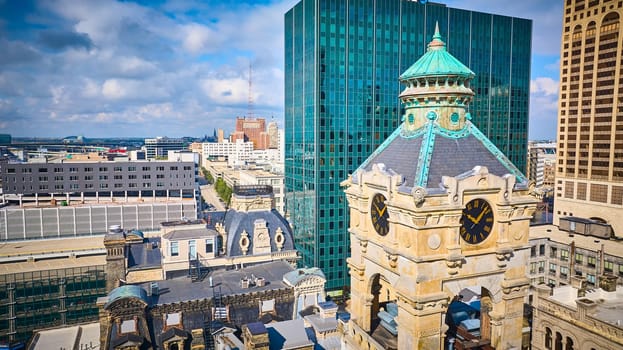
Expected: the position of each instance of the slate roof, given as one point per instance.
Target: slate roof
(144, 255)
(189, 233)
(236, 222)
(423, 157)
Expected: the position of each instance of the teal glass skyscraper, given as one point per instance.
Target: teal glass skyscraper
(342, 63)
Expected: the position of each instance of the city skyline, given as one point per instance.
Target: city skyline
(105, 68)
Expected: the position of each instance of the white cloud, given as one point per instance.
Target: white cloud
(113, 89)
(199, 38)
(544, 85)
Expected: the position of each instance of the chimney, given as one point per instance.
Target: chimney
(608, 283)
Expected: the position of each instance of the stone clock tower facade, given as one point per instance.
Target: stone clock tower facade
(436, 209)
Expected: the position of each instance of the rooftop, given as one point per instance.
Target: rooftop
(608, 305)
(83, 336)
(553, 233)
(183, 289)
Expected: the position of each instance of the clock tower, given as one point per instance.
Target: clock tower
(438, 214)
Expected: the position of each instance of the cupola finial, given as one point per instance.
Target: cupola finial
(436, 43)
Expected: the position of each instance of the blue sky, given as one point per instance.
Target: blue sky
(105, 68)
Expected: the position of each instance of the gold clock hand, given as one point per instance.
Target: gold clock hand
(482, 213)
(383, 211)
(471, 218)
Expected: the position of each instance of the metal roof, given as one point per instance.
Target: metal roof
(437, 61)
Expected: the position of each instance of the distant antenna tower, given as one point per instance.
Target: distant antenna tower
(250, 106)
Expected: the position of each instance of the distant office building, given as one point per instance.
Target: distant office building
(578, 248)
(159, 146)
(82, 198)
(236, 151)
(542, 163)
(589, 175)
(262, 177)
(220, 136)
(251, 129)
(273, 135)
(342, 59)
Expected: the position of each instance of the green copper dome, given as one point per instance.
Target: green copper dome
(437, 61)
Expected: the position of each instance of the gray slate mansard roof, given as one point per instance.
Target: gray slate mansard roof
(423, 157)
(236, 222)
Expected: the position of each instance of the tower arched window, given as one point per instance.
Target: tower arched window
(569, 344)
(558, 343)
(548, 338)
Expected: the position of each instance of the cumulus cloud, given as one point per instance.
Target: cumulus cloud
(544, 85)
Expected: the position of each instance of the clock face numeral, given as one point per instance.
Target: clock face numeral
(379, 214)
(476, 221)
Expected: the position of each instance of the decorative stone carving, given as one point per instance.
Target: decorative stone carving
(279, 239)
(419, 194)
(244, 242)
(434, 241)
(261, 238)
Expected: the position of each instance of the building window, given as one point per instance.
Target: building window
(175, 249)
(533, 251)
(43, 178)
(553, 252)
(542, 249)
(103, 177)
(43, 170)
(564, 255)
(58, 178)
(209, 246)
(88, 170)
(118, 169)
(103, 169)
(564, 272)
(74, 186)
(131, 168)
(541, 266)
(118, 185)
(590, 279)
(578, 258)
(73, 178)
(159, 184)
(132, 177)
(552, 269)
(132, 184)
(118, 177)
(173, 168)
(103, 185)
(146, 176)
(159, 168)
(146, 168)
(146, 184)
(10, 171)
(548, 338)
(187, 167)
(73, 170)
(590, 261)
(88, 178)
(608, 266)
(88, 185)
(43, 187)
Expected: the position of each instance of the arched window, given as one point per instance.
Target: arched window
(548, 338)
(558, 343)
(569, 345)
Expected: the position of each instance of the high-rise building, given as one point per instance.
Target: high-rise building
(541, 164)
(273, 135)
(159, 146)
(251, 129)
(342, 58)
(589, 175)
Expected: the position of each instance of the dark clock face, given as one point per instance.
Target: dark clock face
(379, 214)
(477, 221)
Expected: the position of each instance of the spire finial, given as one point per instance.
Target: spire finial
(437, 35)
(436, 43)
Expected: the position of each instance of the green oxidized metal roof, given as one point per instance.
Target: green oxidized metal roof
(127, 291)
(437, 61)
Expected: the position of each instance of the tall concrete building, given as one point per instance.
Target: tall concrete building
(342, 58)
(251, 129)
(541, 164)
(589, 175)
